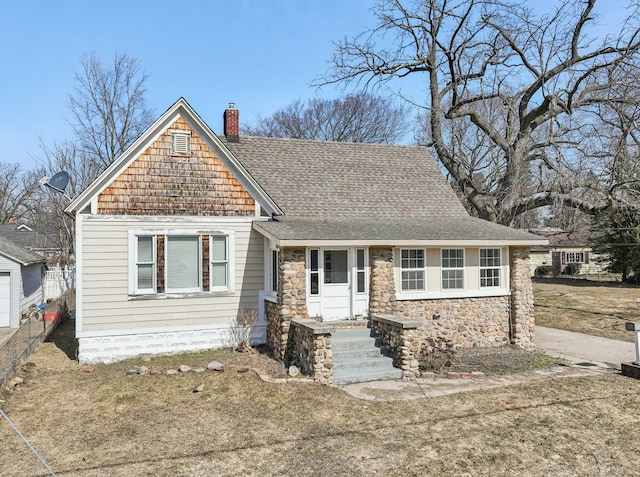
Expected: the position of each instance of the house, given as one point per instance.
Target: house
(186, 229)
(21, 274)
(44, 241)
(567, 253)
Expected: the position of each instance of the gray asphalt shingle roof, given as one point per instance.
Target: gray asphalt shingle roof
(33, 238)
(18, 253)
(341, 191)
(438, 229)
(343, 179)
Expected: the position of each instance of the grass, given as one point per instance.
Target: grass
(108, 423)
(595, 308)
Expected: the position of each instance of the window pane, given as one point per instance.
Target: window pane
(361, 277)
(145, 249)
(335, 266)
(314, 283)
(314, 260)
(183, 262)
(452, 279)
(218, 248)
(413, 280)
(274, 270)
(218, 274)
(360, 259)
(145, 276)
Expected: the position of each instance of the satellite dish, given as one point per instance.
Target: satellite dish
(59, 181)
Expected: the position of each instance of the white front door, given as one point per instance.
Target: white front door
(336, 285)
(5, 299)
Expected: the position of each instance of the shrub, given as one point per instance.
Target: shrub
(573, 268)
(240, 330)
(544, 270)
(436, 354)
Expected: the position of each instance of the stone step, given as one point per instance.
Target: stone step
(351, 334)
(344, 355)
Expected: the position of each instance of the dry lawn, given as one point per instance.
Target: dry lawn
(595, 308)
(105, 423)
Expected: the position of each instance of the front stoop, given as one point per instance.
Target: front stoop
(358, 357)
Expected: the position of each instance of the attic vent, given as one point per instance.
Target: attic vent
(181, 143)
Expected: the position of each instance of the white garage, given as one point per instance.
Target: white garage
(20, 281)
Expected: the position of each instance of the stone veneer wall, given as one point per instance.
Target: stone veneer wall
(382, 289)
(277, 330)
(467, 322)
(522, 318)
(309, 348)
(292, 299)
(403, 339)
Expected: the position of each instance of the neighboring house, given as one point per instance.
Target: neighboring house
(567, 253)
(21, 274)
(186, 229)
(44, 241)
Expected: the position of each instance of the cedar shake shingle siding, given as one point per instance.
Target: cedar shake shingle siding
(159, 183)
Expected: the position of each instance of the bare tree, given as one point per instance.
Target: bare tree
(17, 189)
(509, 92)
(108, 108)
(359, 117)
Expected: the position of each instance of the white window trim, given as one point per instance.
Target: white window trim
(499, 268)
(230, 287)
(132, 252)
(364, 270)
(434, 274)
(423, 270)
(463, 268)
(133, 264)
(567, 254)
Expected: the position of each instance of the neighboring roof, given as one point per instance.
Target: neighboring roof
(183, 110)
(466, 230)
(17, 253)
(559, 238)
(344, 179)
(32, 237)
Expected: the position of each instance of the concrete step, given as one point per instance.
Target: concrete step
(358, 357)
(350, 375)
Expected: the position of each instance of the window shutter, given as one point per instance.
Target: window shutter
(586, 256)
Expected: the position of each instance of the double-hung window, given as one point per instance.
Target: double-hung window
(145, 265)
(453, 269)
(490, 267)
(219, 262)
(412, 267)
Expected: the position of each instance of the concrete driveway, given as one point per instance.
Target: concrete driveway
(579, 347)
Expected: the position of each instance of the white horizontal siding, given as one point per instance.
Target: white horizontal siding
(106, 304)
(13, 268)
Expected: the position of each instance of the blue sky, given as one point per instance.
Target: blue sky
(260, 54)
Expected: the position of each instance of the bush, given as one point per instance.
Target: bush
(436, 354)
(572, 268)
(544, 270)
(240, 330)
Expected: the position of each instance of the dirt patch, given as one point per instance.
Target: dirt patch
(499, 361)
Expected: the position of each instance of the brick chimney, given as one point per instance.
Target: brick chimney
(232, 123)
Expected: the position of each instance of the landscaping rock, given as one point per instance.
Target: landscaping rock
(294, 371)
(172, 371)
(14, 382)
(131, 372)
(198, 388)
(198, 370)
(215, 366)
(184, 368)
(142, 370)
(155, 370)
(87, 368)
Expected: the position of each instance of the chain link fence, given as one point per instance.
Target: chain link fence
(22, 344)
